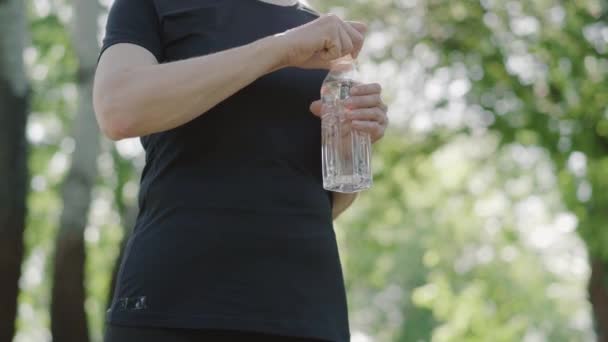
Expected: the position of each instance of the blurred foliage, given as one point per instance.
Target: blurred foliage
(544, 72)
(536, 72)
(498, 151)
(528, 75)
(440, 249)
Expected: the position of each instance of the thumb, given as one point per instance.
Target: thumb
(315, 108)
(359, 26)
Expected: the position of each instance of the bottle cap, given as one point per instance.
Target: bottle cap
(343, 64)
(347, 59)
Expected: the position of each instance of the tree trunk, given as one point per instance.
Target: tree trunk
(13, 159)
(598, 295)
(68, 315)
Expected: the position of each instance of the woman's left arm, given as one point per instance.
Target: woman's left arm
(342, 202)
(368, 113)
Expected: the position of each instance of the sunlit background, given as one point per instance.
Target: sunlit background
(486, 220)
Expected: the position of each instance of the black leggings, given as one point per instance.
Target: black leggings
(117, 333)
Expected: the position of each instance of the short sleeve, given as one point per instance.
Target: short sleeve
(134, 22)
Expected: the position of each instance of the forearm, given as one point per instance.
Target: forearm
(154, 98)
(342, 202)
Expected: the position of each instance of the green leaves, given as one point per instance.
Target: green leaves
(472, 222)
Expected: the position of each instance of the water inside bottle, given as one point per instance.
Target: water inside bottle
(346, 152)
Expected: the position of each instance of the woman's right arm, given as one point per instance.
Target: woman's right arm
(136, 96)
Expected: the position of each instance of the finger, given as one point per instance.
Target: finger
(365, 101)
(333, 47)
(375, 130)
(346, 130)
(320, 62)
(345, 41)
(359, 26)
(368, 114)
(316, 107)
(356, 38)
(384, 107)
(366, 89)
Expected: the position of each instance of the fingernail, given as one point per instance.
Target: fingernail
(354, 91)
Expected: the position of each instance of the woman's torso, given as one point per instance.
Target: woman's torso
(235, 228)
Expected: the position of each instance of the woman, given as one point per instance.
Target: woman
(234, 240)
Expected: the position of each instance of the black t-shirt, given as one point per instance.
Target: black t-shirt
(235, 229)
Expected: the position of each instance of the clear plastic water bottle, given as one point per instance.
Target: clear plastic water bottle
(346, 152)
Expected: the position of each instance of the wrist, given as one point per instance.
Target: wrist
(282, 50)
(274, 49)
